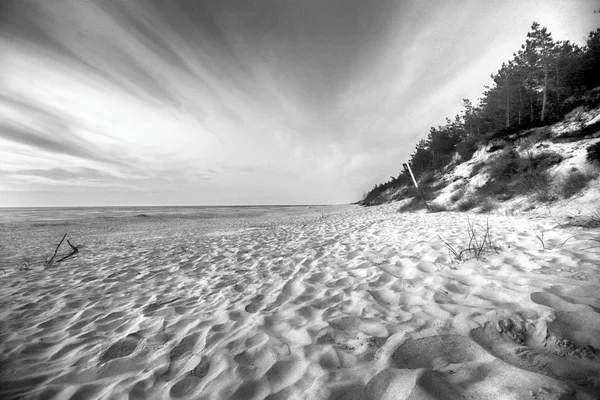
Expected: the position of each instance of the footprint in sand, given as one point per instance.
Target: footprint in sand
(186, 346)
(539, 351)
(238, 288)
(122, 348)
(455, 367)
(255, 304)
(183, 354)
(192, 380)
(152, 308)
(579, 323)
(436, 352)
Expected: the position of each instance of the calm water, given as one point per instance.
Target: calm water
(70, 213)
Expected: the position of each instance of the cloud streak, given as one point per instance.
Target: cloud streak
(61, 174)
(222, 101)
(29, 137)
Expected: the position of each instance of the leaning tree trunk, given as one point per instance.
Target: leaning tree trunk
(520, 104)
(507, 104)
(531, 109)
(557, 86)
(471, 126)
(544, 95)
(507, 112)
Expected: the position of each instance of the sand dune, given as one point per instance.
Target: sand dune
(348, 303)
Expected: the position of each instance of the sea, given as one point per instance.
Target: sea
(26, 214)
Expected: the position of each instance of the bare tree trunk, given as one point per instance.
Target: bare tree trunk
(507, 104)
(507, 112)
(470, 126)
(520, 104)
(531, 108)
(557, 85)
(544, 96)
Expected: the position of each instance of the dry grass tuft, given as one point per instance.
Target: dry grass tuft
(426, 178)
(479, 243)
(573, 182)
(593, 153)
(459, 194)
(414, 204)
(590, 221)
(437, 207)
(486, 205)
(467, 203)
(476, 169)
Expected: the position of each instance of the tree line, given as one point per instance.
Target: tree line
(544, 80)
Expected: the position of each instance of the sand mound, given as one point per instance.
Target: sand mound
(347, 304)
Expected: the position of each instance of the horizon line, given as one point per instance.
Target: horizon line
(187, 205)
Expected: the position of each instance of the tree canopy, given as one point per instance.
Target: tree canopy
(543, 81)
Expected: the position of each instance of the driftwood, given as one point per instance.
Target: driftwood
(56, 250)
(74, 250)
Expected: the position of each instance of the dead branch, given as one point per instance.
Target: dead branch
(490, 244)
(56, 251)
(563, 243)
(454, 252)
(541, 239)
(74, 250)
(484, 242)
(24, 266)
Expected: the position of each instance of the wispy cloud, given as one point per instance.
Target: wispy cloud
(208, 101)
(61, 174)
(22, 134)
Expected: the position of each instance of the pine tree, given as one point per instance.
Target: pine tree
(539, 40)
(591, 60)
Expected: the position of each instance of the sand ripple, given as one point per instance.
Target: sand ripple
(342, 303)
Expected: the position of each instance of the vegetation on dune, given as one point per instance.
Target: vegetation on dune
(593, 153)
(512, 174)
(544, 81)
(573, 182)
(480, 242)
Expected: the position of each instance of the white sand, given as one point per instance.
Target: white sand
(345, 304)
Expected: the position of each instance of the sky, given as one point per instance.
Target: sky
(240, 102)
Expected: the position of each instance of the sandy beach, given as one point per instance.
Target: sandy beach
(324, 303)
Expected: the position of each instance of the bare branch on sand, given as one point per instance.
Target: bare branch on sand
(74, 250)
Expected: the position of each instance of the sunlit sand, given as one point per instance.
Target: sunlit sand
(340, 303)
